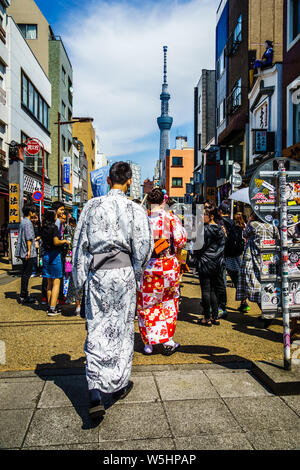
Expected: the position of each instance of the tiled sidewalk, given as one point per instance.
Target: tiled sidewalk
(190, 407)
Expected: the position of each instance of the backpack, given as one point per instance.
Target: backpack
(235, 243)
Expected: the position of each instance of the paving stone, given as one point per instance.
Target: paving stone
(56, 426)
(131, 421)
(275, 440)
(241, 384)
(15, 395)
(196, 417)
(144, 390)
(263, 413)
(228, 441)
(139, 444)
(64, 391)
(293, 401)
(184, 385)
(66, 447)
(14, 424)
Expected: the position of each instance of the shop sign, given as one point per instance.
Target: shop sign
(263, 194)
(67, 170)
(14, 211)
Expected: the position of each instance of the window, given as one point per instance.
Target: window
(237, 35)
(33, 101)
(177, 161)
(234, 100)
(63, 143)
(29, 31)
(36, 104)
(63, 75)
(296, 124)
(294, 10)
(24, 90)
(176, 182)
(63, 109)
(221, 113)
(30, 102)
(221, 65)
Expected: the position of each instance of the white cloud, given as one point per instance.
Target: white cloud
(117, 58)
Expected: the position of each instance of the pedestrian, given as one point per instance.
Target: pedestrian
(37, 232)
(234, 248)
(210, 266)
(71, 294)
(158, 295)
(111, 247)
(59, 208)
(249, 282)
(26, 251)
(52, 265)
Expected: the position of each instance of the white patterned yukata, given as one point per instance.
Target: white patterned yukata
(107, 223)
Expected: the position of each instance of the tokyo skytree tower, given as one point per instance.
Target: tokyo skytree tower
(164, 122)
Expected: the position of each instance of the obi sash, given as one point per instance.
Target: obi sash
(112, 260)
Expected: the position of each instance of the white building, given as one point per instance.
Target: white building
(100, 158)
(4, 61)
(135, 188)
(265, 114)
(28, 90)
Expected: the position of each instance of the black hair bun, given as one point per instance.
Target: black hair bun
(156, 196)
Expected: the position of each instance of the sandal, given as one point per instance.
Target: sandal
(169, 350)
(215, 321)
(204, 322)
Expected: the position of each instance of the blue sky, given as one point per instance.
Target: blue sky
(115, 48)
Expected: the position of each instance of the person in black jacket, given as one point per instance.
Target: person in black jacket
(210, 265)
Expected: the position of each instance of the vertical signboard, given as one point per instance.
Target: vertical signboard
(14, 211)
(67, 170)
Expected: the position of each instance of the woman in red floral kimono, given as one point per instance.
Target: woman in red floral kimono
(158, 295)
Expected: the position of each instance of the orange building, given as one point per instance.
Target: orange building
(179, 169)
(85, 133)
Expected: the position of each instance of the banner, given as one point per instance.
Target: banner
(99, 181)
(75, 212)
(14, 214)
(67, 170)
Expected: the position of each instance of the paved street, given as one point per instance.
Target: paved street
(203, 397)
(33, 340)
(189, 407)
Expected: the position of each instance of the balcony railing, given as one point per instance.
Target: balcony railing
(233, 43)
(234, 100)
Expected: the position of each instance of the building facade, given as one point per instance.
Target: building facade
(242, 29)
(4, 63)
(135, 188)
(34, 27)
(179, 169)
(85, 132)
(204, 126)
(61, 77)
(291, 80)
(29, 103)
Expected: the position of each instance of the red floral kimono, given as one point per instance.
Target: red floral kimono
(157, 300)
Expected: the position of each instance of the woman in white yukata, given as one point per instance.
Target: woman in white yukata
(112, 245)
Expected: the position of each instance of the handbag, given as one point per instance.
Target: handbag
(161, 245)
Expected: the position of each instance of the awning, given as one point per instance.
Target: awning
(242, 195)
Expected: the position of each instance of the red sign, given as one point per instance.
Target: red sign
(37, 196)
(32, 147)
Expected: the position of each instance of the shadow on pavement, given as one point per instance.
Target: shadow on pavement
(69, 376)
(253, 326)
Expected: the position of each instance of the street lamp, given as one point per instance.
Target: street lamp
(60, 123)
